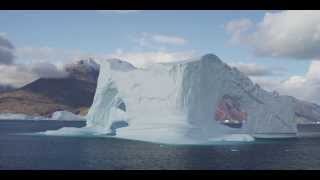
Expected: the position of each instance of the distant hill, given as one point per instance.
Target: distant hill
(5, 88)
(44, 96)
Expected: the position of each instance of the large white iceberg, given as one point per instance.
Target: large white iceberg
(178, 102)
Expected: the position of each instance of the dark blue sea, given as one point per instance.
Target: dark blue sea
(31, 152)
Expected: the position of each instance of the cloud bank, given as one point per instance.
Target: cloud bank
(152, 39)
(44, 62)
(19, 74)
(142, 59)
(252, 69)
(289, 34)
(305, 87)
(6, 51)
(284, 34)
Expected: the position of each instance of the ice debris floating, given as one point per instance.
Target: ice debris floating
(177, 103)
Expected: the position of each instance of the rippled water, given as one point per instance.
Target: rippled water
(49, 152)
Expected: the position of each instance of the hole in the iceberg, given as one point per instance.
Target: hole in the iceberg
(117, 125)
(229, 112)
(122, 106)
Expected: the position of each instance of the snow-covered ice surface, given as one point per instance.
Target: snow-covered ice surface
(175, 103)
(234, 137)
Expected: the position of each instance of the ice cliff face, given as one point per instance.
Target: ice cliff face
(307, 112)
(172, 102)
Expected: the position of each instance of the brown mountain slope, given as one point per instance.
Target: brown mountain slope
(45, 96)
(5, 88)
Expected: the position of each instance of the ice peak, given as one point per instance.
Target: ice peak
(118, 64)
(211, 57)
(89, 64)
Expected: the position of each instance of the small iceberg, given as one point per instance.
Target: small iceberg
(19, 116)
(66, 115)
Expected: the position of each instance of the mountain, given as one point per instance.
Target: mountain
(44, 96)
(5, 88)
(86, 70)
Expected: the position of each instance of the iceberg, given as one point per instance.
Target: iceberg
(66, 115)
(18, 116)
(186, 102)
(58, 115)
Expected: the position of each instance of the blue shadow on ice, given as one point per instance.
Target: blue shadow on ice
(117, 125)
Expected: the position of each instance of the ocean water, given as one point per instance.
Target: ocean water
(30, 152)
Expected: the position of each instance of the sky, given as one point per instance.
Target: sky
(277, 49)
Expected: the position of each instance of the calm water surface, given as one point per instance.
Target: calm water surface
(49, 152)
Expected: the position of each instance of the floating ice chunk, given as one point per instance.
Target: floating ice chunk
(71, 131)
(65, 115)
(18, 116)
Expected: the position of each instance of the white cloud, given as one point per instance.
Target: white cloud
(150, 40)
(287, 34)
(267, 83)
(141, 59)
(302, 88)
(252, 69)
(237, 27)
(48, 70)
(46, 62)
(3, 34)
(59, 57)
(305, 87)
(314, 71)
(168, 39)
(16, 75)
(19, 74)
(6, 51)
(291, 34)
(47, 54)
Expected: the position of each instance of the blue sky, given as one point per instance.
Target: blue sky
(36, 35)
(96, 32)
